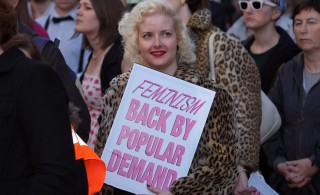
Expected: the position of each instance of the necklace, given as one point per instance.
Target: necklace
(95, 56)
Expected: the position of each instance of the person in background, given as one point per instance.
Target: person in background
(61, 24)
(98, 21)
(51, 55)
(294, 151)
(270, 46)
(235, 70)
(36, 143)
(239, 30)
(40, 8)
(25, 44)
(23, 16)
(153, 26)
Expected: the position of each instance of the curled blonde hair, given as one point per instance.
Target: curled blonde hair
(128, 28)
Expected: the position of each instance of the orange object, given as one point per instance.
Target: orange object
(95, 167)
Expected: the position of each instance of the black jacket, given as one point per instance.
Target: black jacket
(299, 135)
(52, 56)
(36, 148)
(281, 53)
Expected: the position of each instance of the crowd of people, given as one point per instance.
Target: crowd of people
(65, 64)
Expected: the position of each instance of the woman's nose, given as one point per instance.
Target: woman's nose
(157, 42)
(304, 28)
(79, 11)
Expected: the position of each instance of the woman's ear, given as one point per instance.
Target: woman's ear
(276, 13)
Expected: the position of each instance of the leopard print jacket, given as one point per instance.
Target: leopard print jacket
(214, 166)
(237, 72)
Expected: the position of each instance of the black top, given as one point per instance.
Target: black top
(285, 50)
(36, 148)
(53, 57)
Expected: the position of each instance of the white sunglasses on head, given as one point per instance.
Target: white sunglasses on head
(255, 4)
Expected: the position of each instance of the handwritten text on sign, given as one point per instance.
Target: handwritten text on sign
(156, 131)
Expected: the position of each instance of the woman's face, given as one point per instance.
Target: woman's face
(307, 30)
(157, 42)
(87, 21)
(257, 19)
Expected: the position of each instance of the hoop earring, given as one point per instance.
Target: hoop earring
(182, 2)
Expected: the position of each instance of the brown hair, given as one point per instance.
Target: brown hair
(73, 112)
(108, 13)
(8, 21)
(23, 13)
(24, 42)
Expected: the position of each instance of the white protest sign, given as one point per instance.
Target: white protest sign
(156, 131)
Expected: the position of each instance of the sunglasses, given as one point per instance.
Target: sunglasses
(255, 4)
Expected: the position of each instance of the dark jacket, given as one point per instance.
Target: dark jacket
(37, 155)
(52, 56)
(299, 136)
(111, 65)
(281, 53)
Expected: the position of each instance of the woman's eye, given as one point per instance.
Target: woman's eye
(297, 23)
(312, 22)
(146, 35)
(166, 34)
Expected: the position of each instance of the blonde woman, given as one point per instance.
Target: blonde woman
(153, 35)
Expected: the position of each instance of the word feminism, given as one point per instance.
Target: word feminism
(174, 98)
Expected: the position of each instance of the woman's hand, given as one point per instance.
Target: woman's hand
(304, 173)
(241, 187)
(158, 191)
(298, 172)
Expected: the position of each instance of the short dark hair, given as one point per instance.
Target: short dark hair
(306, 5)
(8, 21)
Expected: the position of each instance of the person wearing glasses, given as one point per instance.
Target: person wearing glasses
(294, 151)
(239, 30)
(270, 46)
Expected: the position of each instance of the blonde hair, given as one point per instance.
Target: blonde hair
(128, 28)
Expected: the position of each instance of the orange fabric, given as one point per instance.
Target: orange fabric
(95, 167)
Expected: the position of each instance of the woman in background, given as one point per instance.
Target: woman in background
(270, 46)
(98, 21)
(36, 148)
(294, 151)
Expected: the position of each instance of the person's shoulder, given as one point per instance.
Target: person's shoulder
(221, 36)
(118, 84)
(292, 64)
(36, 68)
(39, 30)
